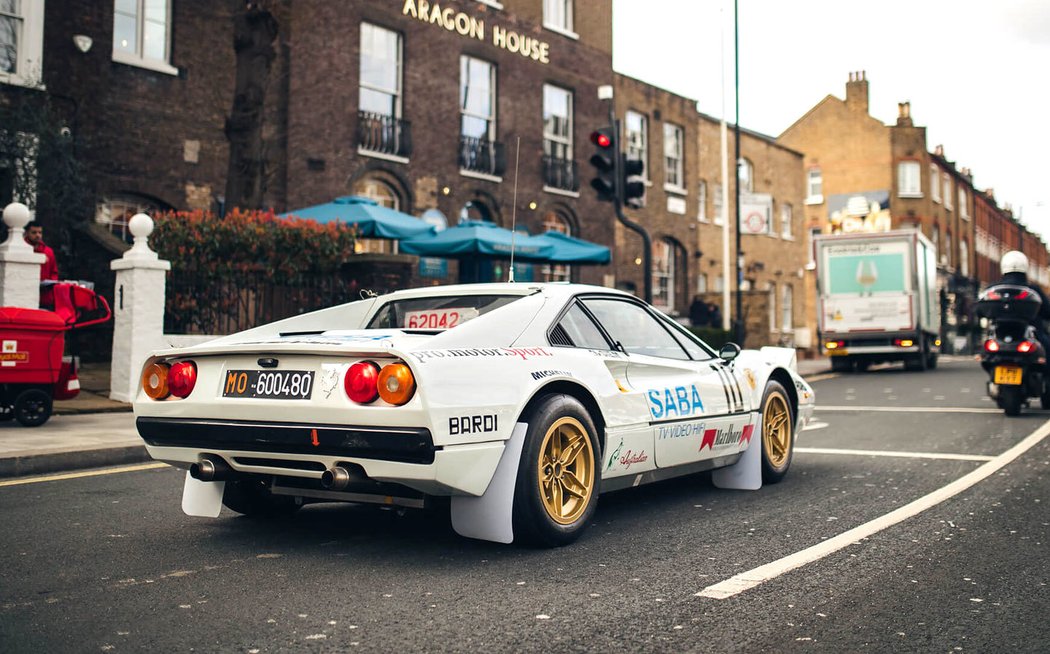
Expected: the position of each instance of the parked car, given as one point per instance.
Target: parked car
(521, 402)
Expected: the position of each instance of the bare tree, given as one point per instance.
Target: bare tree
(255, 30)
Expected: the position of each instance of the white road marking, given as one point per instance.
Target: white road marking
(910, 409)
(814, 424)
(904, 455)
(756, 576)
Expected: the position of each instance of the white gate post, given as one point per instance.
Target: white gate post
(19, 265)
(138, 309)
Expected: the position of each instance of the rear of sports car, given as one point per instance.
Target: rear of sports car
(342, 417)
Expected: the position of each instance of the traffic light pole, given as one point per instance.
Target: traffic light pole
(647, 242)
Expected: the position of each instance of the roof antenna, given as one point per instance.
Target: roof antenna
(514, 211)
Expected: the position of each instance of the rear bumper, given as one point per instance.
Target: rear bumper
(399, 455)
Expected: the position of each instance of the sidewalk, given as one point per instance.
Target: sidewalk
(93, 431)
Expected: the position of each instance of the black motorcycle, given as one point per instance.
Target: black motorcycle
(1012, 355)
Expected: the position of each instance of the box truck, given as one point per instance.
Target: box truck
(877, 299)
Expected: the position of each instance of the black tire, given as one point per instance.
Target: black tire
(252, 498)
(931, 361)
(778, 433)
(32, 407)
(841, 364)
(1044, 400)
(1011, 399)
(554, 499)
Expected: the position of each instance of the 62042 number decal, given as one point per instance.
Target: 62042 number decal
(283, 385)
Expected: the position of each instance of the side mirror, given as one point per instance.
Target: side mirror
(729, 352)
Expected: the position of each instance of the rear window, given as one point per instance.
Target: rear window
(436, 313)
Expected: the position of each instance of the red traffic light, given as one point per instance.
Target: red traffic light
(601, 138)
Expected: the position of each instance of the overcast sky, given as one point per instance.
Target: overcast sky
(977, 72)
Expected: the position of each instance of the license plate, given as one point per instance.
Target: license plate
(269, 384)
(1009, 375)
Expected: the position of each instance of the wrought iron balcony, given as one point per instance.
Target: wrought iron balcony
(561, 174)
(384, 134)
(482, 156)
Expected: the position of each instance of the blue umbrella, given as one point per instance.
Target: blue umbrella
(568, 249)
(477, 238)
(373, 220)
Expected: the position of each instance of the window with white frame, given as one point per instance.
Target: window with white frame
(555, 272)
(21, 41)
(720, 284)
(746, 176)
(674, 178)
(908, 183)
(557, 122)
(814, 186)
(701, 283)
(718, 218)
(701, 192)
(935, 184)
(637, 128)
(116, 211)
(947, 179)
(380, 79)
(664, 274)
(477, 98)
(771, 291)
(787, 293)
(142, 34)
(964, 211)
(964, 259)
(557, 15)
(813, 232)
(786, 218)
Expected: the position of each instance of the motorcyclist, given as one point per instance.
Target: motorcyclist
(1014, 268)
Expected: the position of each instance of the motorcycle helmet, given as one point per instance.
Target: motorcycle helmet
(1014, 262)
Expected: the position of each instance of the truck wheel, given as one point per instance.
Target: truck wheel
(559, 477)
(32, 407)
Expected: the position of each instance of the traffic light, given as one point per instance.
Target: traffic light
(604, 160)
(633, 184)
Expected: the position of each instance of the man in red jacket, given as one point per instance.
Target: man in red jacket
(35, 237)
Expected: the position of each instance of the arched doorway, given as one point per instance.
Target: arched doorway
(385, 195)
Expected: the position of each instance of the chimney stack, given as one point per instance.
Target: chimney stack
(904, 114)
(939, 150)
(857, 91)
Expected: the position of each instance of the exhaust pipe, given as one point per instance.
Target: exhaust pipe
(336, 478)
(210, 470)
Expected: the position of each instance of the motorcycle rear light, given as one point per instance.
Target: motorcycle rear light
(182, 378)
(1024, 347)
(155, 381)
(991, 345)
(396, 384)
(360, 382)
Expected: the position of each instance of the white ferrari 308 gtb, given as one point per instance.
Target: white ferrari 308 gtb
(520, 402)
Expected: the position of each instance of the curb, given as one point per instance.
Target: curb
(39, 464)
(76, 410)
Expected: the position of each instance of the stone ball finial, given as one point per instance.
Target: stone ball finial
(16, 215)
(140, 225)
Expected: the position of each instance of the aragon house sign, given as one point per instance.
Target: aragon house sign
(457, 21)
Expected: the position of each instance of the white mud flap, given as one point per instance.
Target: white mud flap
(202, 498)
(491, 516)
(745, 474)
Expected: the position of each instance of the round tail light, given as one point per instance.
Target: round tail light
(396, 384)
(182, 378)
(155, 381)
(991, 346)
(360, 382)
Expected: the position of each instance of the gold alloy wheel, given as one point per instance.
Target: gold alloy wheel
(566, 470)
(776, 430)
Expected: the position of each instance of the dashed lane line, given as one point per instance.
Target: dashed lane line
(757, 576)
(903, 455)
(910, 409)
(78, 475)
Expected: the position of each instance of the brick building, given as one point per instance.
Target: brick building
(862, 175)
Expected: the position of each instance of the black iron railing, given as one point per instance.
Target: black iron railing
(384, 134)
(200, 303)
(561, 174)
(482, 156)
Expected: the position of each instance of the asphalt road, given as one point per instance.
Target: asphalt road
(110, 563)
